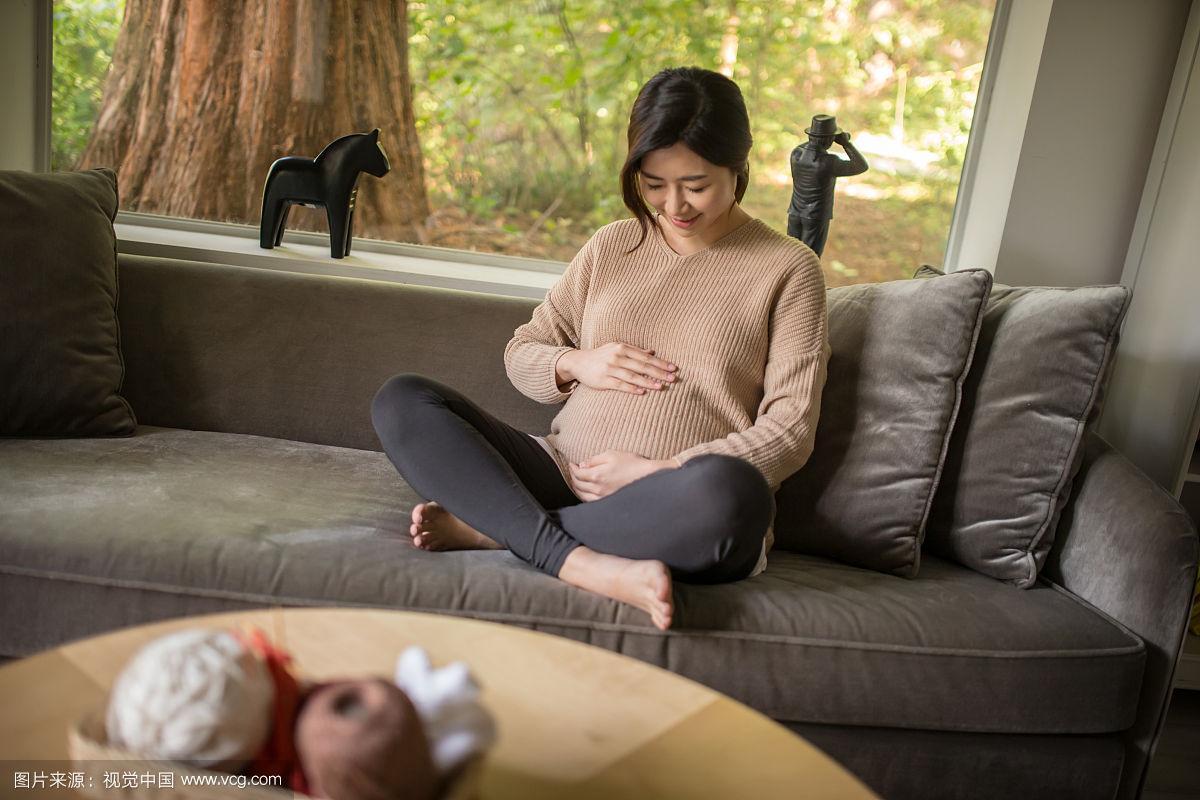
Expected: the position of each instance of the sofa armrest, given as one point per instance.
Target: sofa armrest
(1126, 546)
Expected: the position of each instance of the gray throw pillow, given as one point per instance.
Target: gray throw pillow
(1036, 386)
(900, 353)
(60, 353)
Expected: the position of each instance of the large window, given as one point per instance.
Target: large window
(505, 121)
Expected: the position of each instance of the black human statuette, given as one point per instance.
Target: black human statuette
(330, 180)
(814, 172)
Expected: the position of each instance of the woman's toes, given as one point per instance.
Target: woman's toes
(423, 512)
(420, 522)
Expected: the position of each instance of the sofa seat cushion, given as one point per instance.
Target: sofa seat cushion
(96, 534)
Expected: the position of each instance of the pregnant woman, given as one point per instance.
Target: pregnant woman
(690, 344)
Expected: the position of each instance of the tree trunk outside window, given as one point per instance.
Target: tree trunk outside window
(203, 96)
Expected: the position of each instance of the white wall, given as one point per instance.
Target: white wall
(18, 67)
(1101, 85)
(1150, 411)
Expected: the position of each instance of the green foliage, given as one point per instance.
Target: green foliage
(528, 102)
(85, 32)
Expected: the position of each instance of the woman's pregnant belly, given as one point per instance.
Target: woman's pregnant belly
(657, 424)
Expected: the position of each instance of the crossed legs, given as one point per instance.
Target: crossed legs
(702, 523)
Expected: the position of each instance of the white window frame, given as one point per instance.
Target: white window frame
(237, 244)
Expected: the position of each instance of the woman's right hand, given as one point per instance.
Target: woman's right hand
(619, 366)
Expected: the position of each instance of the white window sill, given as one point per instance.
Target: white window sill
(227, 243)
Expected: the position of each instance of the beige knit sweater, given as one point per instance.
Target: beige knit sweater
(743, 320)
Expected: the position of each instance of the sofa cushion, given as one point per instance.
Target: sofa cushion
(222, 348)
(96, 534)
(901, 350)
(60, 349)
(1035, 388)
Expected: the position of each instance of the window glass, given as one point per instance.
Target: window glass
(504, 122)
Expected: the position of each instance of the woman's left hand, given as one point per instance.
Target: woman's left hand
(605, 473)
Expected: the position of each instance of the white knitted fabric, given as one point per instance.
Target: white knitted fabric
(197, 696)
(457, 725)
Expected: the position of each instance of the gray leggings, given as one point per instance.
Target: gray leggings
(705, 520)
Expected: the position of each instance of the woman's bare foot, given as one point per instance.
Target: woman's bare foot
(435, 528)
(645, 584)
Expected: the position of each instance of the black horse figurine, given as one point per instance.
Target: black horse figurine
(329, 180)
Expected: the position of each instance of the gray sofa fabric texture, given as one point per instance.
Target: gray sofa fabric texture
(240, 350)
(60, 360)
(901, 351)
(188, 516)
(975, 766)
(1041, 364)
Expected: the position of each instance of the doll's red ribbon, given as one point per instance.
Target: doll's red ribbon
(278, 755)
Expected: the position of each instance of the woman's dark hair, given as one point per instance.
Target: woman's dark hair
(696, 106)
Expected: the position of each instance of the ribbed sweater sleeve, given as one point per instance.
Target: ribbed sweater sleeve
(782, 436)
(531, 355)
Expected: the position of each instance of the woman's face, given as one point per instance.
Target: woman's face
(682, 186)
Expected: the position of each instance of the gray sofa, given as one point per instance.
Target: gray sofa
(255, 478)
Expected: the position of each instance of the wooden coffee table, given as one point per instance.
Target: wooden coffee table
(574, 720)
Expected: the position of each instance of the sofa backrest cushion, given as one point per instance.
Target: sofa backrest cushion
(901, 350)
(242, 350)
(1036, 386)
(60, 345)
